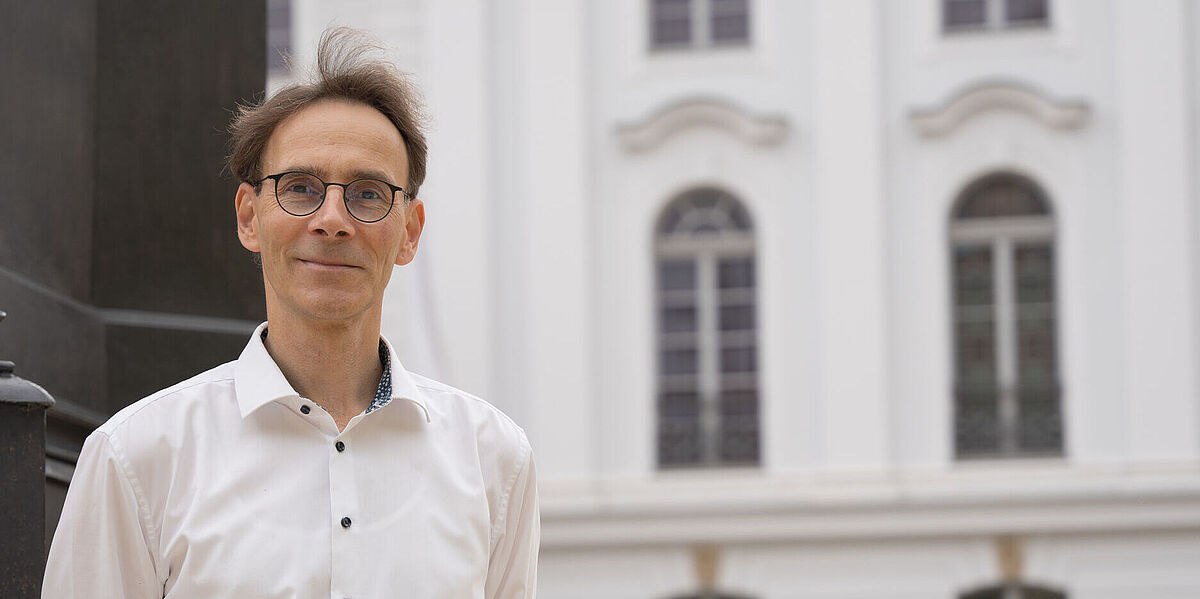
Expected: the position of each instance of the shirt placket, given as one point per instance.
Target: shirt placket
(344, 515)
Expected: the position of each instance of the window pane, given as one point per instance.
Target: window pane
(730, 21)
(975, 341)
(1035, 273)
(679, 430)
(679, 405)
(738, 217)
(1002, 195)
(704, 211)
(973, 276)
(976, 353)
(1040, 419)
(739, 402)
(679, 361)
(1025, 11)
(964, 13)
(672, 23)
(741, 359)
(737, 318)
(738, 443)
(679, 320)
(676, 274)
(1036, 346)
(1039, 412)
(739, 440)
(669, 222)
(976, 421)
(733, 273)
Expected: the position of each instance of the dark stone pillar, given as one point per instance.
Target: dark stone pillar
(178, 290)
(120, 267)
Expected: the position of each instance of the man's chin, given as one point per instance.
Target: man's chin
(335, 308)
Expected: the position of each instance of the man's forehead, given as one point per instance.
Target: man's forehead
(338, 138)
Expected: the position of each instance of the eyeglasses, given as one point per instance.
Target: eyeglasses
(301, 194)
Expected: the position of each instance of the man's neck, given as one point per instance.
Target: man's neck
(336, 365)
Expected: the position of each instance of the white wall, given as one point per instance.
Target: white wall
(534, 286)
(1155, 157)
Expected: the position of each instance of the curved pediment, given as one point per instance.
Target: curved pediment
(999, 95)
(652, 131)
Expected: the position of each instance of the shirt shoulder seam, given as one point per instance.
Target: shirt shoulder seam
(155, 397)
(440, 388)
(523, 460)
(139, 496)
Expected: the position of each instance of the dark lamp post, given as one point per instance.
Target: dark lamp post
(22, 483)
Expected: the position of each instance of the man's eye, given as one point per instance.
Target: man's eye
(299, 188)
(368, 194)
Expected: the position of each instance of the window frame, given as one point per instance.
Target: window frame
(706, 252)
(996, 19)
(700, 35)
(1003, 236)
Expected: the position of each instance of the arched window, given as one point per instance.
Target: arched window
(1013, 591)
(1007, 398)
(707, 347)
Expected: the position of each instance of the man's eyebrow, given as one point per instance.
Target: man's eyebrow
(372, 174)
(312, 170)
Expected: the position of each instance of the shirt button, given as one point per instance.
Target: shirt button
(346, 522)
(305, 409)
(340, 446)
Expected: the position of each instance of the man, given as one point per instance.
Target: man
(314, 465)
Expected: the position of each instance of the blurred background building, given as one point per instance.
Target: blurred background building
(795, 298)
(819, 299)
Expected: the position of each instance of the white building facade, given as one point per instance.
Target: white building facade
(822, 298)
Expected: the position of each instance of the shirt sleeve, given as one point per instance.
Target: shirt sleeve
(100, 548)
(512, 569)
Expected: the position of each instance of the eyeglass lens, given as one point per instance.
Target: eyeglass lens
(300, 194)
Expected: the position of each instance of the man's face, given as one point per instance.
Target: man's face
(328, 266)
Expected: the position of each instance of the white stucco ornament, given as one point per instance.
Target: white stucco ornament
(1051, 112)
(655, 129)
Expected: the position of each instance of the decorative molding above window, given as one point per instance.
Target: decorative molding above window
(652, 131)
(1000, 95)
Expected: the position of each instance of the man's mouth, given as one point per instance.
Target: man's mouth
(327, 264)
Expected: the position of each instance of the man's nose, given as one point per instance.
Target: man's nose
(332, 218)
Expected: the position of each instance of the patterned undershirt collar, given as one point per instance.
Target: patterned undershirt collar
(383, 392)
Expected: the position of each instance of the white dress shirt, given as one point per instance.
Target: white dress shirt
(230, 484)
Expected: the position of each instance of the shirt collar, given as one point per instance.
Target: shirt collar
(258, 380)
(403, 386)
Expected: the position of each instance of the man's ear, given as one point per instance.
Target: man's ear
(414, 223)
(247, 224)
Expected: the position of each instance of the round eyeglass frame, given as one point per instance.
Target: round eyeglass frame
(325, 191)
